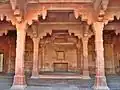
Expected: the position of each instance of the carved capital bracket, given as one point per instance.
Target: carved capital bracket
(33, 14)
(33, 30)
(98, 26)
(98, 29)
(87, 32)
(7, 15)
(19, 9)
(78, 46)
(85, 15)
(111, 13)
(36, 40)
(21, 27)
(85, 39)
(44, 12)
(18, 15)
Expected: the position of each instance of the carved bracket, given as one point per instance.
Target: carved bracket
(44, 13)
(87, 32)
(33, 30)
(85, 15)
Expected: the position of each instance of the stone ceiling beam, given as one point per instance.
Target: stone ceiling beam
(23, 10)
(33, 10)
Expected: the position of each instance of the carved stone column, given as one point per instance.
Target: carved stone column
(85, 58)
(35, 72)
(100, 79)
(19, 78)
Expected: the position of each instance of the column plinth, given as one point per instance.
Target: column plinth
(100, 83)
(19, 78)
(100, 79)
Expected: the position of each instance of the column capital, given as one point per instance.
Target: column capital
(35, 30)
(98, 26)
(36, 40)
(21, 26)
(78, 44)
(85, 39)
(86, 30)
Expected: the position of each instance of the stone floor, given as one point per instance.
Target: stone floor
(58, 84)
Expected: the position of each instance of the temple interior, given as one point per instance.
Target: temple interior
(60, 47)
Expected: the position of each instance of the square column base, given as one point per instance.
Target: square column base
(19, 80)
(86, 74)
(100, 83)
(35, 77)
(101, 88)
(18, 87)
(86, 77)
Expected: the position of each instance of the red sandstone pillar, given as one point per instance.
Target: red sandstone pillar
(85, 58)
(35, 73)
(19, 78)
(100, 79)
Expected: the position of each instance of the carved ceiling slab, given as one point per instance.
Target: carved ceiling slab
(89, 10)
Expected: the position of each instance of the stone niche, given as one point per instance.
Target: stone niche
(60, 53)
